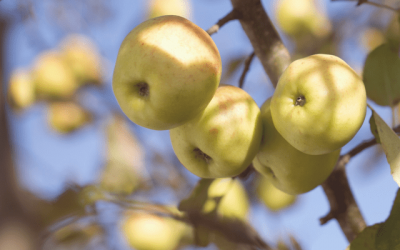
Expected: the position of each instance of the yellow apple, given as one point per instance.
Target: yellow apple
(166, 73)
(234, 202)
(82, 56)
(287, 168)
(52, 76)
(223, 139)
(145, 231)
(272, 197)
(65, 117)
(21, 91)
(319, 104)
(371, 38)
(296, 17)
(158, 8)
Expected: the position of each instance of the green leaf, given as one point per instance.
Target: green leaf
(366, 239)
(391, 145)
(388, 235)
(381, 76)
(374, 129)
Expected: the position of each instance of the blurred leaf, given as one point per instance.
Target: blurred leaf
(67, 204)
(387, 237)
(382, 76)
(233, 66)
(366, 239)
(391, 145)
(125, 167)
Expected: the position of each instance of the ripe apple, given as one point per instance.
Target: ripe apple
(287, 168)
(166, 73)
(52, 76)
(319, 104)
(65, 117)
(145, 231)
(158, 8)
(297, 17)
(234, 202)
(272, 197)
(82, 56)
(21, 91)
(223, 139)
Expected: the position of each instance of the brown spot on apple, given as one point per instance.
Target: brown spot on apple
(214, 131)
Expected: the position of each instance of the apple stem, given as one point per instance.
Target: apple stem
(143, 89)
(300, 101)
(202, 155)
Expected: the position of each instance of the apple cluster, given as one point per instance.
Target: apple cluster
(55, 78)
(167, 77)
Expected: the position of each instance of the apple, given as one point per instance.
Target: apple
(234, 202)
(287, 168)
(158, 8)
(297, 17)
(145, 231)
(65, 117)
(272, 197)
(52, 77)
(21, 91)
(82, 56)
(319, 104)
(223, 139)
(166, 73)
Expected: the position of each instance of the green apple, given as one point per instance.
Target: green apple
(82, 56)
(272, 197)
(158, 8)
(21, 91)
(287, 168)
(145, 231)
(52, 77)
(319, 104)
(223, 139)
(234, 202)
(65, 117)
(297, 17)
(166, 73)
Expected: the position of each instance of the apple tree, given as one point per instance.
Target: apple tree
(177, 124)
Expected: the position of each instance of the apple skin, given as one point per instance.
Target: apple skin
(166, 73)
(299, 17)
(223, 139)
(150, 232)
(287, 168)
(169, 7)
(65, 117)
(234, 203)
(21, 91)
(273, 198)
(334, 107)
(52, 77)
(82, 56)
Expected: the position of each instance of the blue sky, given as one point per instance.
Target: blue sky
(47, 160)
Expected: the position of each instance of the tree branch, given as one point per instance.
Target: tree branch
(265, 40)
(247, 63)
(233, 15)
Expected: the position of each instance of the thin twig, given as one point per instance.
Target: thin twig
(373, 4)
(247, 63)
(233, 15)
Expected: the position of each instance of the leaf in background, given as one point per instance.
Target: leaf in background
(125, 167)
(381, 76)
(67, 204)
(391, 145)
(233, 65)
(388, 235)
(77, 234)
(366, 239)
